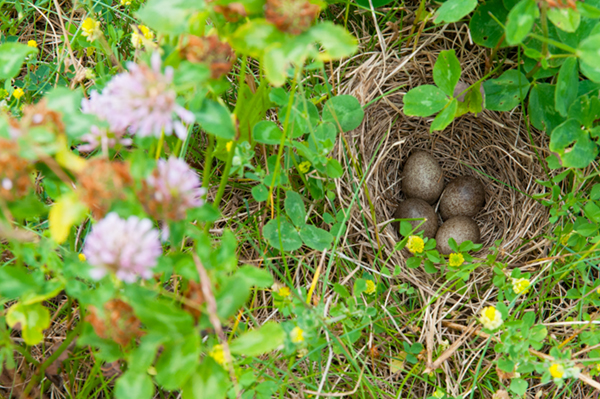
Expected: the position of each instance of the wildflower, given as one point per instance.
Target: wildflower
(15, 180)
(556, 370)
(18, 93)
(116, 321)
(101, 183)
(232, 12)
(82, 257)
(371, 287)
(291, 16)
(520, 285)
(141, 101)
(297, 335)
(194, 299)
(562, 4)
(212, 51)
(284, 292)
(491, 318)
(415, 244)
(304, 167)
(91, 29)
(99, 137)
(228, 145)
(136, 38)
(125, 2)
(128, 247)
(456, 259)
(171, 190)
(32, 43)
(218, 354)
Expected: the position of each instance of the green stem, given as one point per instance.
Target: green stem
(208, 161)
(224, 180)
(159, 147)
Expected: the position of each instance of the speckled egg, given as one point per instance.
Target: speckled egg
(461, 228)
(463, 196)
(422, 177)
(416, 208)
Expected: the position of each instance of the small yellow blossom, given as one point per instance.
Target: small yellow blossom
(520, 285)
(556, 370)
(32, 43)
(371, 287)
(125, 2)
(228, 145)
(284, 292)
(82, 257)
(18, 93)
(91, 29)
(456, 259)
(218, 354)
(304, 167)
(136, 38)
(415, 244)
(297, 335)
(491, 318)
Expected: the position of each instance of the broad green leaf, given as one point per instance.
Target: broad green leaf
(518, 386)
(542, 112)
(33, 320)
(424, 100)
(209, 380)
(215, 119)
(444, 118)
(304, 117)
(343, 111)
(446, 71)
(260, 193)
(316, 238)
(177, 362)
(565, 19)
(334, 169)
(520, 21)
(484, 29)
(48, 290)
(231, 296)
(251, 108)
(506, 92)
(294, 208)
(341, 290)
(360, 286)
(589, 71)
(264, 339)
(254, 37)
(588, 11)
(585, 29)
(267, 132)
(16, 282)
(275, 63)
(12, 56)
(66, 212)
(586, 110)
(337, 42)
(134, 384)
(290, 239)
(454, 10)
(165, 16)
(279, 96)
(68, 104)
(566, 86)
(573, 144)
(589, 51)
(255, 277)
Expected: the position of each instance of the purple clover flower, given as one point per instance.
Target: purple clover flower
(141, 101)
(129, 248)
(172, 189)
(101, 137)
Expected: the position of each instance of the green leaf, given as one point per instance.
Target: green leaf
(255, 277)
(260, 193)
(589, 51)
(588, 10)
(592, 72)
(565, 19)
(334, 169)
(360, 286)
(316, 238)
(343, 111)
(294, 208)
(165, 16)
(215, 119)
(573, 144)
(290, 239)
(267, 132)
(336, 41)
(209, 380)
(542, 112)
(485, 31)
(279, 96)
(446, 71)
(177, 362)
(518, 386)
(33, 319)
(275, 62)
(68, 104)
(424, 100)
(413, 262)
(254, 37)
(16, 281)
(586, 110)
(520, 21)
(231, 296)
(204, 213)
(264, 339)
(506, 365)
(567, 85)
(304, 117)
(134, 384)
(444, 118)
(506, 92)
(454, 10)
(12, 56)
(341, 290)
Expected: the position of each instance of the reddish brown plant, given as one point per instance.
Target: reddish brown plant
(209, 50)
(291, 16)
(15, 179)
(116, 322)
(102, 182)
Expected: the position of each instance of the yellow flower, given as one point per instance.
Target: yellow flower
(125, 2)
(556, 370)
(228, 145)
(415, 244)
(218, 354)
(32, 43)
(18, 93)
(598, 290)
(82, 257)
(371, 287)
(491, 318)
(456, 260)
(284, 292)
(136, 38)
(91, 29)
(304, 167)
(520, 285)
(297, 335)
